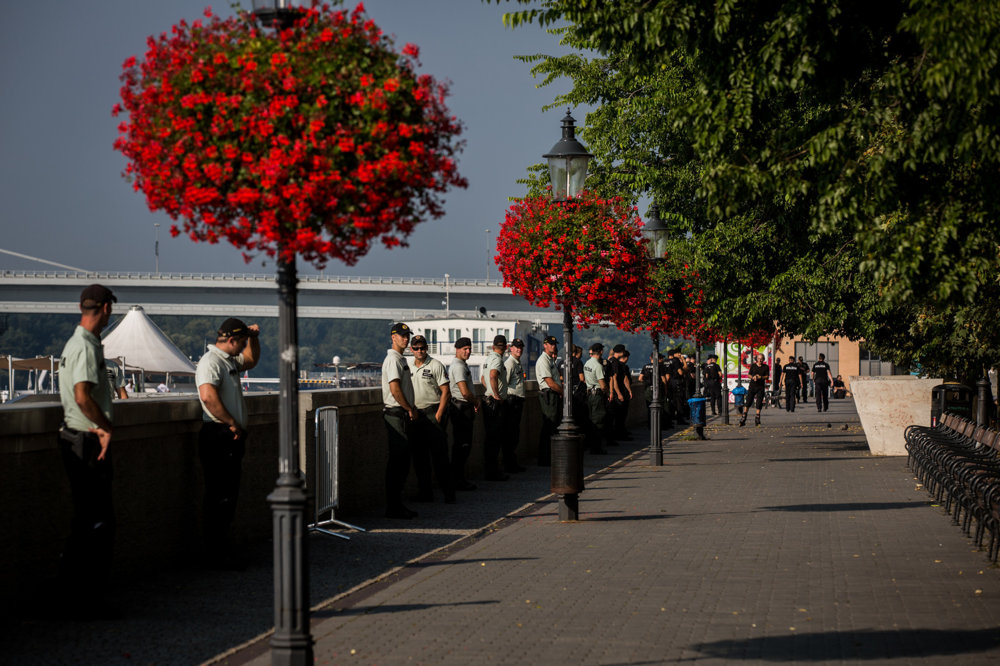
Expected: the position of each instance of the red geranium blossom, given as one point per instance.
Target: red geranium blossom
(314, 143)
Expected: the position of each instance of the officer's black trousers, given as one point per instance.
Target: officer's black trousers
(461, 414)
(493, 416)
(397, 427)
(222, 464)
(791, 396)
(512, 430)
(822, 396)
(86, 563)
(429, 449)
(551, 407)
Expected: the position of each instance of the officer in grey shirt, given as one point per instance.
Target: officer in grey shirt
(515, 407)
(84, 445)
(550, 396)
(597, 398)
(429, 438)
(464, 405)
(398, 413)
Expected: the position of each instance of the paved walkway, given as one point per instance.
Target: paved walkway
(783, 543)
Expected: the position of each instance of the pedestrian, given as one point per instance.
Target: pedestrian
(550, 392)
(804, 378)
(790, 376)
(429, 439)
(399, 413)
(677, 387)
(223, 435)
(839, 388)
(494, 407)
(757, 374)
(581, 410)
(822, 375)
(713, 383)
(462, 414)
(598, 398)
(85, 448)
(777, 372)
(514, 408)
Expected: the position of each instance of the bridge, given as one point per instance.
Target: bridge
(255, 295)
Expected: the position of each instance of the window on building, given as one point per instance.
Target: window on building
(872, 365)
(810, 351)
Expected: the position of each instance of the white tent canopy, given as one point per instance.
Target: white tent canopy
(143, 345)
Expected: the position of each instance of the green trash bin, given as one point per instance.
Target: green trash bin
(952, 397)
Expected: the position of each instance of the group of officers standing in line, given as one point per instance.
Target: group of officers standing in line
(421, 398)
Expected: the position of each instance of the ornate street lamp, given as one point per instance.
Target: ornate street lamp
(291, 643)
(655, 234)
(568, 161)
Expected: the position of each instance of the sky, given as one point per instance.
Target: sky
(64, 198)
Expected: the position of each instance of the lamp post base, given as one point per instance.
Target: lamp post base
(569, 507)
(291, 643)
(567, 469)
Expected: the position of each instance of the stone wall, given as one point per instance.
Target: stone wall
(158, 484)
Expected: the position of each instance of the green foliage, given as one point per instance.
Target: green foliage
(830, 164)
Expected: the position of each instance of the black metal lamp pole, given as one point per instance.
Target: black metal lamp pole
(568, 161)
(725, 380)
(291, 643)
(656, 235)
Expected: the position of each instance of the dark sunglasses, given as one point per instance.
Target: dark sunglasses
(419, 348)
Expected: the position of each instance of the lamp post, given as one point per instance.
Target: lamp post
(156, 246)
(336, 371)
(725, 380)
(568, 161)
(291, 643)
(655, 233)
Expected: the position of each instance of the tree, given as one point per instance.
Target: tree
(872, 127)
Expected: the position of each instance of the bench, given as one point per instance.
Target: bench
(958, 462)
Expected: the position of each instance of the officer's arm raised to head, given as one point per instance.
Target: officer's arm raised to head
(251, 353)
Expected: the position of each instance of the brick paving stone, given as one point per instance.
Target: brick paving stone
(783, 543)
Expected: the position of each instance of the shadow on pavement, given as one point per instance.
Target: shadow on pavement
(400, 608)
(856, 645)
(847, 506)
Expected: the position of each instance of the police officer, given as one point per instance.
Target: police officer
(84, 445)
(223, 435)
(598, 398)
(676, 386)
(581, 411)
(399, 413)
(776, 375)
(494, 408)
(515, 407)
(462, 414)
(713, 383)
(790, 377)
(622, 392)
(822, 376)
(550, 393)
(804, 378)
(429, 442)
(116, 376)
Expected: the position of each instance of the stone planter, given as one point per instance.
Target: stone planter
(886, 405)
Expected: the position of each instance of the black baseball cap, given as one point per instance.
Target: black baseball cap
(463, 342)
(399, 328)
(96, 295)
(418, 340)
(618, 349)
(517, 342)
(500, 340)
(596, 347)
(550, 340)
(235, 328)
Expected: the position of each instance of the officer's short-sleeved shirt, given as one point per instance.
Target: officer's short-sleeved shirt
(458, 371)
(545, 366)
(593, 372)
(791, 373)
(395, 368)
(494, 361)
(713, 374)
(82, 360)
(515, 377)
(222, 371)
(822, 371)
(427, 382)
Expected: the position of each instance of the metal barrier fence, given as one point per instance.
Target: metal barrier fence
(327, 495)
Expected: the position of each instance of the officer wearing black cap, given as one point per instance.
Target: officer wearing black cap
(515, 407)
(550, 393)
(429, 441)
(84, 445)
(464, 405)
(597, 400)
(223, 435)
(398, 413)
(494, 408)
(677, 386)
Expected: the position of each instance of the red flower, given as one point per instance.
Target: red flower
(303, 180)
